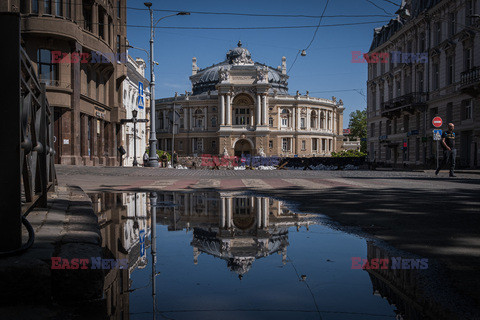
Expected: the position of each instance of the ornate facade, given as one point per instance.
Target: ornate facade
(241, 106)
(131, 95)
(86, 96)
(404, 96)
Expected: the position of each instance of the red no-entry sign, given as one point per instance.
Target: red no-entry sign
(437, 122)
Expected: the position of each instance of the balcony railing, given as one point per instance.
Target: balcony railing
(406, 101)
(470, 76)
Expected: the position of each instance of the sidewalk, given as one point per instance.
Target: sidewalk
(67, 228)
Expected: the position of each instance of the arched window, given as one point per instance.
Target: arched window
(313, 119)
(322, 120)
(270, 122)
(285, 117)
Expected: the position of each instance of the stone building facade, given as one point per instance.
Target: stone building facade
(131, 101)
(239, 106)
(86, 95)
(404, 95)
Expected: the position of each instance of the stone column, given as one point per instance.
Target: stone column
(105, 27)
(94, 141)
(101, 145)
(228, 112)
(259, 212)
(266, 209)
(222, 109)
(297, 124)
(190, 121)
(113, 144)
(259, 106)
(222, 213)
(84, 136)
(95, 21)
(265, 218)
(264, 108)
(205, 118)
(229, 212)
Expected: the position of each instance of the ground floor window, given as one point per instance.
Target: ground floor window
(286, 144)
(270, 143)
(314, 144)
(304, 145)
(197, 145)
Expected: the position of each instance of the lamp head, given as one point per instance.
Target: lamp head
(304, 53)
(147, 4)
(134, 113)
(183, 13)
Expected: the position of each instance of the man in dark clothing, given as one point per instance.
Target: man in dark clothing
(449, 151)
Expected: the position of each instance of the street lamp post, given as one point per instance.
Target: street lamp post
(153, 158)
(134, 120)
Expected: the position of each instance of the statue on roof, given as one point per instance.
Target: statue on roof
(223, 75)
(262, 74)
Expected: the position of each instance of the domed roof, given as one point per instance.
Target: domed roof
(206, 79)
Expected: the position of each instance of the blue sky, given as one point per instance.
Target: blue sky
(326, 71)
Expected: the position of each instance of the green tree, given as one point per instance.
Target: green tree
(358, 127)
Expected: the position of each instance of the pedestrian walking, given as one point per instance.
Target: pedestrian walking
(175, 159)
(164, 160)
(145, 158)
(449, 151)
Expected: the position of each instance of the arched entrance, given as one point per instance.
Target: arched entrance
(243, 146)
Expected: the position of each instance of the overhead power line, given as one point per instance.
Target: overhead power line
(271, 15)
(65, 2)
(391, 2)
(377, 6)
(313, 38)
(251, 28)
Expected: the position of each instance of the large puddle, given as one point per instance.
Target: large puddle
(215, 255)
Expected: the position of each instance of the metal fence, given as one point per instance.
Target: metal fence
(26, 133)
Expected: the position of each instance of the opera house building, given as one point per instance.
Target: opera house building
(239, 106)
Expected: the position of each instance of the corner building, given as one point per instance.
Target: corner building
(241, 106)
(405, 96)
(86, 97)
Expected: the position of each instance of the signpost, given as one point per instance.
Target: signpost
(437, 122)
(140, 96)
(437, 133)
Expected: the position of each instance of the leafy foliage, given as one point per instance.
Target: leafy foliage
(348, 153)
(160, 153)
(358, 127)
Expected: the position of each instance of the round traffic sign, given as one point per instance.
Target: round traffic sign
(437, 122)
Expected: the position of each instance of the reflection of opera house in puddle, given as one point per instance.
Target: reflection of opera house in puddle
(233, 227)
